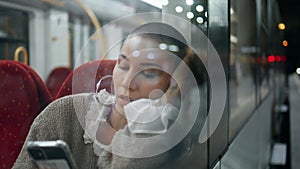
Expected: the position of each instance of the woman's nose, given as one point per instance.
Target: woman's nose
(129, 81)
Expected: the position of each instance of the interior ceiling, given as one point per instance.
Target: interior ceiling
(289, 12)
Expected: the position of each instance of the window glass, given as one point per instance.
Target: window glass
(242, 63)
(262, 60)
(13, 32)
(195, 12)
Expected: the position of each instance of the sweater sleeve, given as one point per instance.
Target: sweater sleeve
(43, 128)
(53, 123)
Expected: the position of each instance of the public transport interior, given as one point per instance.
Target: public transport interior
(52, 38)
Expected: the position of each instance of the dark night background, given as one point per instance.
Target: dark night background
(290, 15)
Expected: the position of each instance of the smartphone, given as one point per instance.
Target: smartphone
(51, 154)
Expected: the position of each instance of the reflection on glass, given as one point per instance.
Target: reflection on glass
(263, 64)
(193, 11)
(242, 65)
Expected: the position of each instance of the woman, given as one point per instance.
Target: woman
(145, 103)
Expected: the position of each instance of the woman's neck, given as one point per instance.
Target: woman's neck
(116, 120)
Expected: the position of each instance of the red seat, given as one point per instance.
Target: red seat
(44, 94)
(20, 103)
(56, 79)
(84, 78)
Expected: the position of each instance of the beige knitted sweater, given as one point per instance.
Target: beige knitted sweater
(61, 121)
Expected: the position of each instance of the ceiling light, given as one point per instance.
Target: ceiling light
(163, 46)
(190, 15)
(173, 48)
(189, 2)
(200, 19)
(165, 2)
(178, 9)
(199, 8)
(156, 3)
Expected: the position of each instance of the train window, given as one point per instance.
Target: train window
(264, 9)
(242, 64)
(262, 62)
(13, 32)
(67, 34)
(196, 13)
(218, 33)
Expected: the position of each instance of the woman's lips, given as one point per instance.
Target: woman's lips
(123, 100)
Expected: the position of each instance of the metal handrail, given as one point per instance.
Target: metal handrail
(25, 54)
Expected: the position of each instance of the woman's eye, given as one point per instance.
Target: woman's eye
(122, 64)
(123, 67)
(151, 73)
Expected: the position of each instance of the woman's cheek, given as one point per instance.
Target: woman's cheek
(151, 84)
(117, 75)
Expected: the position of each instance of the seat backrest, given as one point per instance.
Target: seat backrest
(44, 94)
(84, 78)
(19, 105)
(56, 79)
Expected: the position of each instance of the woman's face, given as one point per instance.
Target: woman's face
(141, 68)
